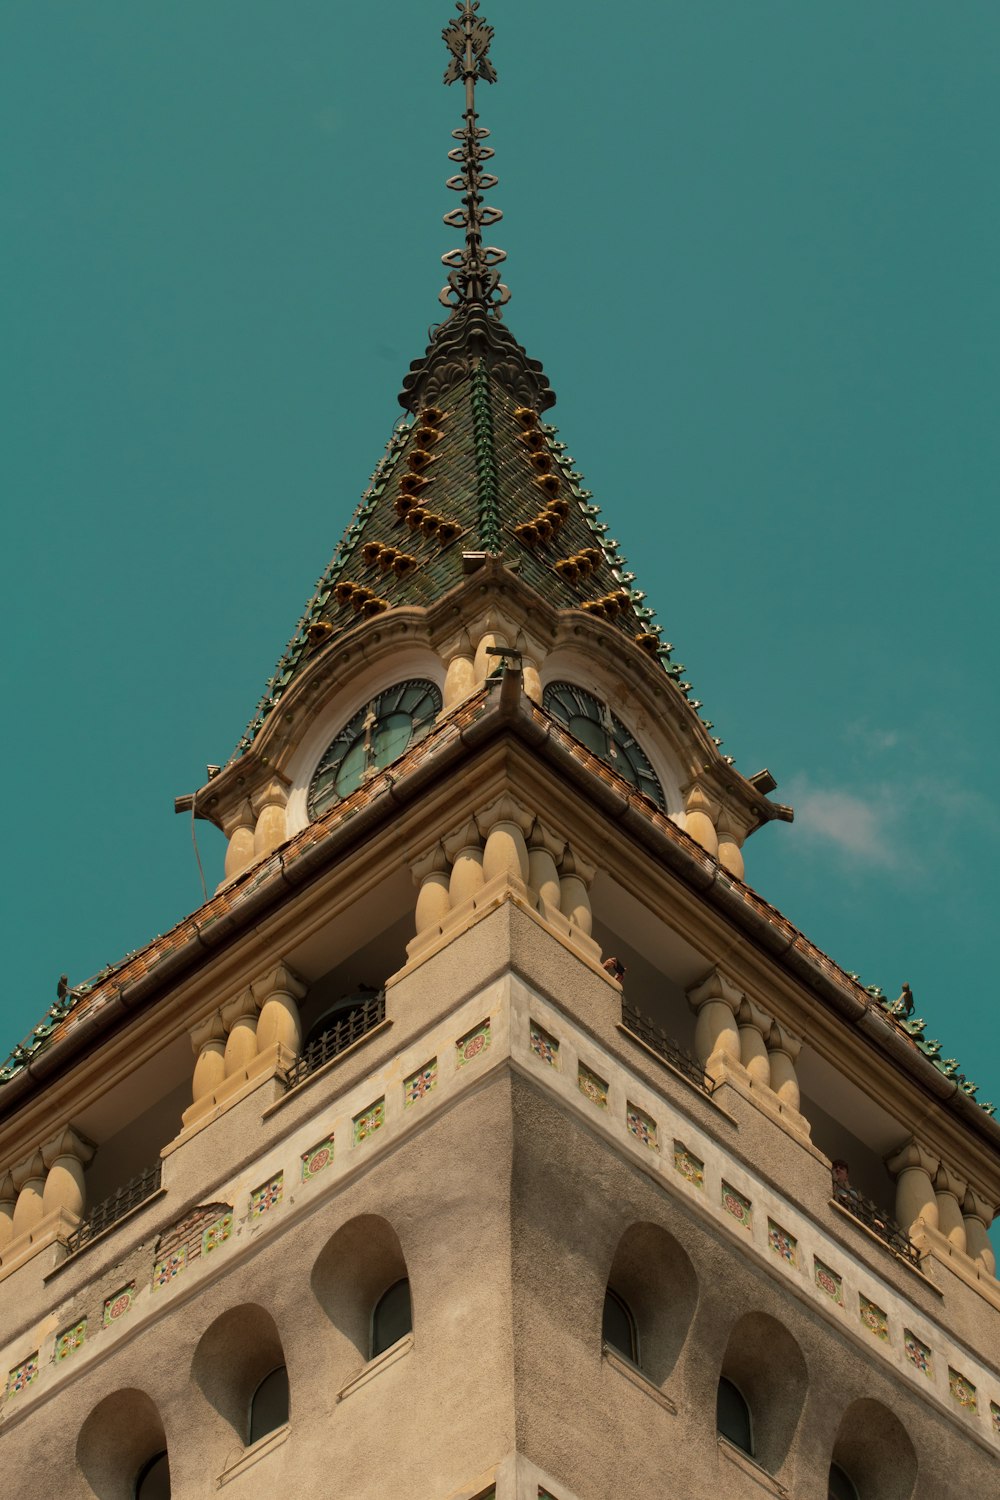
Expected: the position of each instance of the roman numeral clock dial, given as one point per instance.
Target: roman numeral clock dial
(592, 723)
(378, 734)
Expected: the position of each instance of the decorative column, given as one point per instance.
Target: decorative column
(460, 674)
(8, 1198)
(717, 1036)
(913, 1168)
(575, 879)
(431, 874)
(755, 1027)
(730, 852)
(978, 1216)
(950, 1191)
(464, 849)
(700, 813)
(240, 1019)
(504, 826)
(29, 1179)
(783, 1049)
(532, 680)
(545, 850)
(208, 1039)
(278, 994)
(65, 1156)
(269, 805)
(240, 849)
(483, 663)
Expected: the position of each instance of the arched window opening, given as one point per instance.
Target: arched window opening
(392, 1317)
(346, 1013)
(618, 1328)
(732, 1416)
(840, 1487)
(268, 1405)
(153, 1480)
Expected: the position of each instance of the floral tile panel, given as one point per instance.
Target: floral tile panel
(473, 1043)
(22, 1375)
(420, 1083)
(918, 1353)
(830, 1282)
(70, 1340)
(782, 1243)
(741, 1208)
(267, 1196)
(543, 1045)
(317, 1158)
(874, 1318)
(170, 1266)
(118, 1304)
(690, 1167)
(641, 1125)
(369, 1120)
(216, 1233)
(592, 1087)
(963, 1391)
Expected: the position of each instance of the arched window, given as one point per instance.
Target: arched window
(346, 1012)
(732, 1416)
(618, 1328)
(268, 1405)
(840, 1487)
(153, 1480)
(392, 1317)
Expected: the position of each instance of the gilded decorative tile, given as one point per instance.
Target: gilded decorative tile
(420, 1083)
(473, 1043)
(23, 1374)
(642, 1126)
(369, 1120)
(963, 1391)
(317, 1158)
(689, 1166)
(595, 1088)
(217, 1233)
(782, 1243)
(829, 1282)
(70, 1340)
(734, 1203)
(544, 1046)
(267, 1196)
(118, 1304)
(170, 1266)
(995, 1418)
(874, 1318)
(918, 1353)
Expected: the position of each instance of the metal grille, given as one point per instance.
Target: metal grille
(657, 1041)
(878, 1221)
(116, 1206)
(356, 1024)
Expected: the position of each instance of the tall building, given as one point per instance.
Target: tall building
(485, 1134)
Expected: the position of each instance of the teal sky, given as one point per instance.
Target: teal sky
(755, 248)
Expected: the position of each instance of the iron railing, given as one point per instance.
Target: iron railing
(878, 1221)
(356, 1024)
(657, 1041)
(116, 1206)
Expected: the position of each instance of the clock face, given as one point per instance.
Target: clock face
(378, 734)
(592, 723)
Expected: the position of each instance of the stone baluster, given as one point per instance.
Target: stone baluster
(700, 813)
(464, 849)
(950, 1191)
(716, 1036)
(913, 1168)
(65, 1157)
(460, 673)
(432, 876)
(279, 1023)
(545, 850)
(730, 852)
(783, 1049)
(8, 1199)
(532, 680)
(483, 662)
(575, 879)
(269, 806)
(240, 849)
(29, 1179)
(504, 826)
(208, 1039)
(755, 1027)
(978, 1216)
(240, 1020)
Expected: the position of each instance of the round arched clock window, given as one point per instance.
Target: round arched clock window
(592, 723)
(378, 734)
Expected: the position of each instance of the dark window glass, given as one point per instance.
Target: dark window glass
(732, 1416)
(841, 1488)
(269, 1404)
(618, 1328)
(153, 1482)
(392, 1318)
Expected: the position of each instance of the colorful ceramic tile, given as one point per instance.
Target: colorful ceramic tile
(22, 1375)
(782, 1243)
(70, 1340)
(642, 1126)
(918, 1353)
(595, 1088)
(995, 1418)
(118, 1304)
(874, 1318)
(962, 1390)
(420, 1083)
(369, 1120)
(170, 1266)
(475, 1042)
(267, 1196)
(544, 1046)
(317, 1158)
(688, 1165)
(217, 1233)
(829, 1282)
(734, 1203)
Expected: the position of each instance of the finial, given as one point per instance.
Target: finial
(472, 273)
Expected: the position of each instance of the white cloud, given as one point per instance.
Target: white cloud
(861, 828)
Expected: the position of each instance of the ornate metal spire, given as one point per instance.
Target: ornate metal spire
(472, 276)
